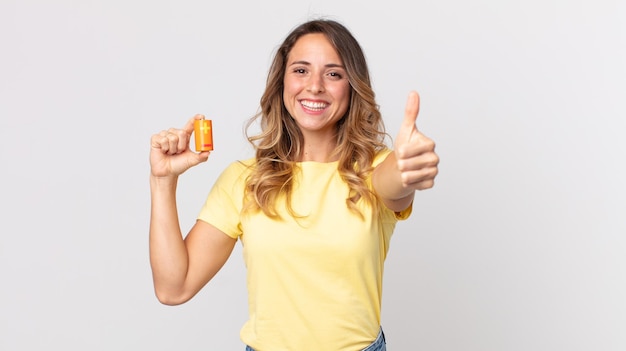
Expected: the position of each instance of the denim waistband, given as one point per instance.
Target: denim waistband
(379, 344)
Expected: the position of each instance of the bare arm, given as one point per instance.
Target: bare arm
(180, 267)
(411, 166)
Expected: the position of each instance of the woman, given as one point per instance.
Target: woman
(315, 209)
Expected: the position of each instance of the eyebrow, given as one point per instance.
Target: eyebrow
(329, 65)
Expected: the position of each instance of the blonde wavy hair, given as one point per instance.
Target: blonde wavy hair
(360, 132)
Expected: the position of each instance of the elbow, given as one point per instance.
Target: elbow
(169, 298)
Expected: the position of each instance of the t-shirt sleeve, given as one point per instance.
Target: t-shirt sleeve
(391, 215)
(223, 205)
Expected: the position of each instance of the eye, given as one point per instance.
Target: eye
(299, 71)
(335, 75)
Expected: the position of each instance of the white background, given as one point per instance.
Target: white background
(521, 245)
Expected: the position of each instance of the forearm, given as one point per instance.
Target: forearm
(388, 185)
(168, 253)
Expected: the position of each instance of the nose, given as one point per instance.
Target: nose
(316, 84)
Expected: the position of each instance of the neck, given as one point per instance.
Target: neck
(321, 150)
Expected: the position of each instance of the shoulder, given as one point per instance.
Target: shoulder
(380, 156)
(240, 166)
(237, 171)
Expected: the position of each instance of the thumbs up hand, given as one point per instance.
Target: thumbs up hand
(415, 155)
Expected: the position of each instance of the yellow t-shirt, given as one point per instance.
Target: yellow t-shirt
(315, 282)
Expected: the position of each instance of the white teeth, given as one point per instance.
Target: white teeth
(314, 105)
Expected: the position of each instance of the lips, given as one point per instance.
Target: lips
(313, 105)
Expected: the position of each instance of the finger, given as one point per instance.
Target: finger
(179, 139)
(412, 109)
(427, 160)
(173, 140)
(410, 117)
(423, 185)
(162, 141)
(419, 145)
(158, 141)
(420, 179)
(189, 125)
(203, 156)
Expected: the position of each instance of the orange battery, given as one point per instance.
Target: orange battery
(203, 131)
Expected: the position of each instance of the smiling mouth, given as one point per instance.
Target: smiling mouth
(314, 106)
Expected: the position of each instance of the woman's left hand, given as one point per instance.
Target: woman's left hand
(415, 153)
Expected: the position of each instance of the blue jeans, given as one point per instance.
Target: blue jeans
(378, 345)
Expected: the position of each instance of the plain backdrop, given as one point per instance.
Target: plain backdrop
(521, 245)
